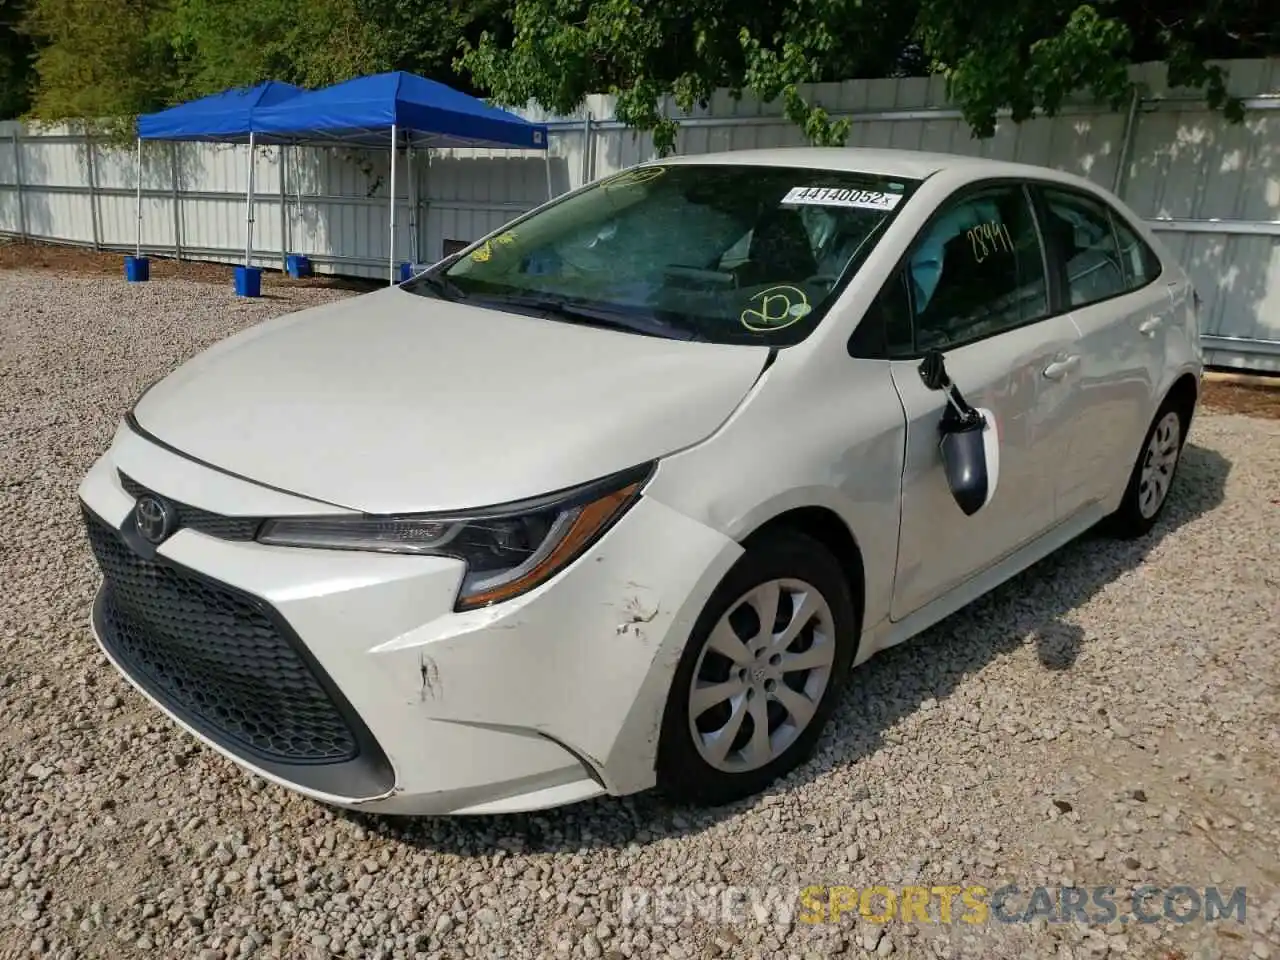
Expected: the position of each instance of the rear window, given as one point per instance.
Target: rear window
(725, 253)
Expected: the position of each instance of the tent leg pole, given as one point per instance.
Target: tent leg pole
(284, 214)
(413, 202)
(177, 201)
(550, 194)
(391, 279)
(296, 212)
(427, 204)
(248, 224)
(137, 250)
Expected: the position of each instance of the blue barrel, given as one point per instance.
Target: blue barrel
(248, 281)
(406, 271)
(137, 269)
(298, 266)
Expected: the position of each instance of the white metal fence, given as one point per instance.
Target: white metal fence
(1212, 189)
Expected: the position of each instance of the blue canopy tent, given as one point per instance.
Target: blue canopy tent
(226, 117)
(221, 117)
(400, 110)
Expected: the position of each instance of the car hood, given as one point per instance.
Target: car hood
(393, 402)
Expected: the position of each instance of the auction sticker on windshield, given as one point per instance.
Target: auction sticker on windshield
(843, 197)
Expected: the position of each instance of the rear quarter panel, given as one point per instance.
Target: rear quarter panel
(1183, 352)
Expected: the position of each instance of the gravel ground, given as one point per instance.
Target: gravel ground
(1109, 717)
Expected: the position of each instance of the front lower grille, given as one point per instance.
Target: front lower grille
(194, 518)
(218, 658)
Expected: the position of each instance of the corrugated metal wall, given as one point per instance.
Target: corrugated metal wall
(1211, 188)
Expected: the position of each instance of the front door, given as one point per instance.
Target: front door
(978, 293)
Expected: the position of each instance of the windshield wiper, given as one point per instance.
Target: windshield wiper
(567, 311)
(439, 283)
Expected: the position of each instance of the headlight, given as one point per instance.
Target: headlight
(508, 550)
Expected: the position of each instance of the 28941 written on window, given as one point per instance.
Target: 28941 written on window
(977, 270)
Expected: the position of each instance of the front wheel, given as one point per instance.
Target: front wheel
(761, 673)
(1152, 476)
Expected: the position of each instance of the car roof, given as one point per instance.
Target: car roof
(909, 164)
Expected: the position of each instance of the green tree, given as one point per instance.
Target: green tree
(219, 44)
(113, 59)
(1031, 54)
(99, 60)
(424, 36)
(15, 61)
(228, 43)
(1016, 54)
(562, 50)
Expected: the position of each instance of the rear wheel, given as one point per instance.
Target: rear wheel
(1152, 476)
(761, 673)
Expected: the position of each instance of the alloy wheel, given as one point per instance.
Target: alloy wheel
(761, 675)
(1158, 463)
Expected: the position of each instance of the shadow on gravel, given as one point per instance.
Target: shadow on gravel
(881, 692)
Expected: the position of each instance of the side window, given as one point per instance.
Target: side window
(1139, 261)
(1078, 230)
(977, 269)
(885, 332)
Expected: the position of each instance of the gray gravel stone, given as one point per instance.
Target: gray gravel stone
(1005, 743)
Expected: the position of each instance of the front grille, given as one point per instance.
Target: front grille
(216, 657)
(193, 518)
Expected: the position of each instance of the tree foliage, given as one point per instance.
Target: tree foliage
(116, 58)
(219, 44)
(96, 58)
(562, 50)
(1020, 55)
(15, 60)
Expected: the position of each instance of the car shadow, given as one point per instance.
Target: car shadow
(1035, 604)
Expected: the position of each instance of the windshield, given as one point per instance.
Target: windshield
(724, 253)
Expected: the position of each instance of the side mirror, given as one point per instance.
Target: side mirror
(970, 443)
(933, 371)
(971, 458)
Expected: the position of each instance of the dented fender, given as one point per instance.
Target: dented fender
(586, 659)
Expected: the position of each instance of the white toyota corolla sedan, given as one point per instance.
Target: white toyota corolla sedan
(619, 496)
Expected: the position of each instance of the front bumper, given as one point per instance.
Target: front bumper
(547, 699)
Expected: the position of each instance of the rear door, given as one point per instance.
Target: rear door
(1108, 277)
(976, 285)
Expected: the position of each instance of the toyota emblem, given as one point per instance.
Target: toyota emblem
(153, 518)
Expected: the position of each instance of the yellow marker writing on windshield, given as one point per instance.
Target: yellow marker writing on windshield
(633, 178)
(485, 252)
(775, 309)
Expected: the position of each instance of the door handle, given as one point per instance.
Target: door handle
(1149, 326)
(1060, 368)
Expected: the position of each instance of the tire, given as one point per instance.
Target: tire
(1152, 476)
(811, 585)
